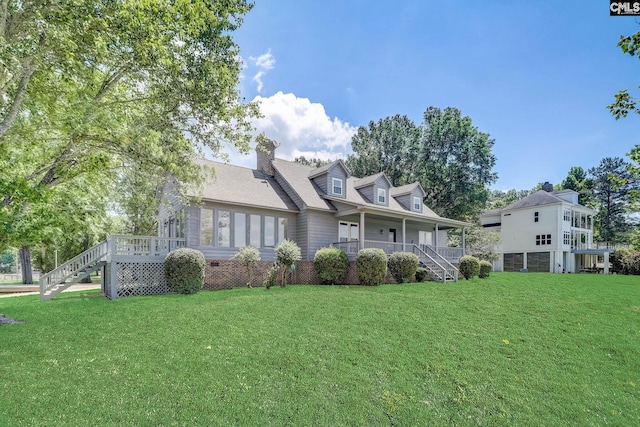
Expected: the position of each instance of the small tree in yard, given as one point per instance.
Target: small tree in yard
(287, 253)
(248, 256)
(469, 266)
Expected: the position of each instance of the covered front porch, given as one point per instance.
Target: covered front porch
(363, 228)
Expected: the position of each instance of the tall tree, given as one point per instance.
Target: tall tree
(578, 181)
(453, 162)
(624, 103)
(450, 158)
(87, 86)
(611, 185)
(383, 147)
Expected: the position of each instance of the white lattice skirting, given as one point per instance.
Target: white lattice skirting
(138, 279)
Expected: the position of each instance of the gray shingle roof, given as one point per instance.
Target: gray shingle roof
(297, 175)
(244, 186)
(538, 198)
(369, 180)
(406, 189)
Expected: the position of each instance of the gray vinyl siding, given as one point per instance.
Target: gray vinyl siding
(367, 193)
(324, 181)
(406, 200)
(169, 207)
(302, 234)
(322, 229)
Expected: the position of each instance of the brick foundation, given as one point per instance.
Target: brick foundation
(227, 274)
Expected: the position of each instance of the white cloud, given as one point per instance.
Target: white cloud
(265, 62)
(258, 79)
(302, 128)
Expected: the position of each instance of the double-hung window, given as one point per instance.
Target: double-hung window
(382, 196)
(336, 186)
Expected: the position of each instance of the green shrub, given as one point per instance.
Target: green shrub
(485, 269)
(618, 260)
(184, 270)
(469, 266)
(331, 265)
(371, 266)
(248, 256)
(403, 266)
(272, 276)
(287, 253)
(631, 263)
(422, 274)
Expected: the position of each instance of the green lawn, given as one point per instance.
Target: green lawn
(513, 349)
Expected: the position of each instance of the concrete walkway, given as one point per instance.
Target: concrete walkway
(21, 290)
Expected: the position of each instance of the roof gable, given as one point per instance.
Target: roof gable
(327, 168)
(408, 189)
(371, 180)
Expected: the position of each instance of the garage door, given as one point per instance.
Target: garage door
(513, 262)
(538, 262)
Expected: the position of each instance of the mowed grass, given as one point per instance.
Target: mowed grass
(513, 349)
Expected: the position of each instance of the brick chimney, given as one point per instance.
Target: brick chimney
(548, 187)
(265, 154)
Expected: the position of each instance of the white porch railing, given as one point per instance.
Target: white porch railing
(451, 255)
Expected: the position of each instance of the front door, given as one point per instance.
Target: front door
(392, 235)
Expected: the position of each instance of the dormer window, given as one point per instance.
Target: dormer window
(382, 196)
(336, 184)
(417, 203)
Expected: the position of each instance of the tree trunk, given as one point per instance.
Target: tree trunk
(25, 262)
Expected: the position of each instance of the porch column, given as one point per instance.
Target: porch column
(404, 234)
(361, 245)
(436, 239)
(463, 242)
(606, 262)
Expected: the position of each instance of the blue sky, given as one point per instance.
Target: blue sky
(535, 75)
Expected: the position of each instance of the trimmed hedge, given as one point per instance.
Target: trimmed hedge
(469, 266)
(371, 266)
(403, 266)
(331, 265)
(184, 270)
(485, 269)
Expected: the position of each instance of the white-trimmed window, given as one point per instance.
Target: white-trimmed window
(206, 227)
(425, 237)
(567, 238)
(283, 232)
(543, 239)
(255, 230)
(269, 231)
(224, 228)
(336, 186)
(382, 196)
(567, 215)
(240, 230)
(417, 204)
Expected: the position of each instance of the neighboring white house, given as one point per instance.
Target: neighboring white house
(547, 231)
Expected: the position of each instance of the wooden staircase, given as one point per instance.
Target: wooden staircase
(73, 271)
(439, 268)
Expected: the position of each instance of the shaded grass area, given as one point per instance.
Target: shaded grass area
(513, 349)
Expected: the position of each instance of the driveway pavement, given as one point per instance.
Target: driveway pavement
(21, 290)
